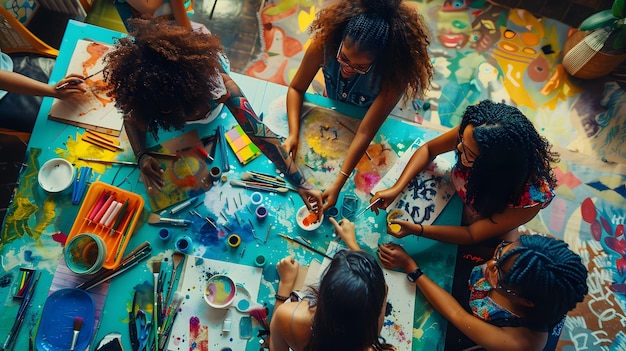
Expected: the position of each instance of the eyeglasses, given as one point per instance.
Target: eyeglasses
(360, 69)
(467, 151)
(496, 258)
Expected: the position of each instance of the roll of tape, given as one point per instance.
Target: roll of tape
(234, 240)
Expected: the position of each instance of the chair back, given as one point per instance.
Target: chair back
(14, 37)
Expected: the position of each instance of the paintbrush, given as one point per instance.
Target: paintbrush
(77, 81)
(367, 208)
(156, 271)
(250, 185)
(260, 314)
(112, 162)
(170, 317)
(304, 244)
(21, 313)
(177, 258)
(155, 218)
(78, 323)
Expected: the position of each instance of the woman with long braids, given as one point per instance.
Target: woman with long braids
(344, 313)
(518, 299)
(371, 53)
(503, 175)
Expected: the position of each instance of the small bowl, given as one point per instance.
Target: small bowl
(56, 175)
(304, 218)
(397, 214)
(219, 291)
(85, 253)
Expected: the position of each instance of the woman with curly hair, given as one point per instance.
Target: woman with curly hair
(371, 53)
(164, 76)
(344, 313)
(517, 300)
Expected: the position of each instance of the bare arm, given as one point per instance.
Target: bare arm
(180, 13)
(151, 171)
(20, 84)
(374, 118)
(310, 65)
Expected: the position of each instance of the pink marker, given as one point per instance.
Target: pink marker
(101, 199)
(104, 208)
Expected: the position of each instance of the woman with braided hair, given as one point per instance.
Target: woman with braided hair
(371, 53)
(518, 299)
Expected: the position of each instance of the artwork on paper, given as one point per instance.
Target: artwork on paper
(92, 109)
(427, 194)
(398, 323)
(199, 326)
(185, 171)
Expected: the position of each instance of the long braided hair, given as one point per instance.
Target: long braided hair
(547, 273)
(349, 301)
(390, 30)
(512, 154)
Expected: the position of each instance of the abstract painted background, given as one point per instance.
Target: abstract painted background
(482, 51)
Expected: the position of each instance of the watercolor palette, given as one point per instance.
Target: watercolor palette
(111, 214)
(244, 148)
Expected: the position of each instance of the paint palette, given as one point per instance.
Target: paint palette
(306, 219)
(219, 291)
(111, 214)
(244, 148)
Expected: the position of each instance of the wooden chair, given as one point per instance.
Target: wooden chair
(15, 38)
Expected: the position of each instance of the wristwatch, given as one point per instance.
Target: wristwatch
(412, 277)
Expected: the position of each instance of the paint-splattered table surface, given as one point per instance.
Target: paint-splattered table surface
(32, 234)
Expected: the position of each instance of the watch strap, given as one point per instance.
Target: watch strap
(413, 276)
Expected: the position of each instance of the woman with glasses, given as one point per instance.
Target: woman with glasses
(518, 299)
(503, 175)
(371, 53)
(332, 316)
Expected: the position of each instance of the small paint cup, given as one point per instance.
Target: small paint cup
(165, 234)
(306, 219)
(256, 198)
(332, 211)
(234, 240)
(85, 253)
(261, 212)
(259, 261)
(215, 173)
(183, 244)
(397, 214)
(219, 291)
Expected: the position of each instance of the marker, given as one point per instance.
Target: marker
(179, 207)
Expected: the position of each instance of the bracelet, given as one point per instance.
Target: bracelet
(139, 156)
(345, 174)
(281, 298)
(421, 229)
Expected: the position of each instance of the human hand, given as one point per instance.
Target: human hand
(68, 86)
(288, 272)
(406, 228)
(345, 229)
(312, 199)
(330, 196)
(394, 256)
(290, 144)
(151, 172)
(386, 197)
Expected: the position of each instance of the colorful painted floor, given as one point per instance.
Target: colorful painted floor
(489, 52)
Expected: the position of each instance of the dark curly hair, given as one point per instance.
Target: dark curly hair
(162, 73)
(547, 273)
(381, 26)
(349, 300)
(512, 155)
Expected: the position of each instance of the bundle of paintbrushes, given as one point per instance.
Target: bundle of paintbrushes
(168, 321)
(260, 315)
(21, 312)
(260, 181)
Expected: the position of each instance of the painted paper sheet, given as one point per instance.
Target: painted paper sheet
(199, 326)
(398, 324)
(427, 194)
(93, 109)
(185, 171)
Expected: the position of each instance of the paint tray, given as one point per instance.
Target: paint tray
(117, 231)
(244, 148)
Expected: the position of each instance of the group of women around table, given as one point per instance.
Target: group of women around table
(373, 52)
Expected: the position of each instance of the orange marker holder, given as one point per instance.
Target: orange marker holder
(116, 238)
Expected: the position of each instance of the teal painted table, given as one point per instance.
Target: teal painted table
(30, 239)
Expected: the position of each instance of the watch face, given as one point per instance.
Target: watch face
(412, 277)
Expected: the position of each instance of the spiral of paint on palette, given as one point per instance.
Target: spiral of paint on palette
(219, 291)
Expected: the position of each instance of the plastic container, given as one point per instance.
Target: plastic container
(56, 175)
(116, 234)
(219, 291)
(85, 253)
(306, 219)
